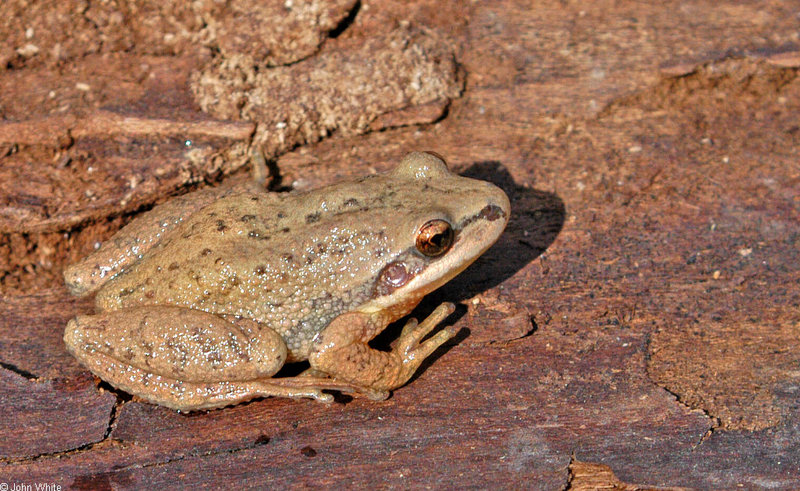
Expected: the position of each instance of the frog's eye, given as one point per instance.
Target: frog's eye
(434, 238)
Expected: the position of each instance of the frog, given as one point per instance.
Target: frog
(202, 300)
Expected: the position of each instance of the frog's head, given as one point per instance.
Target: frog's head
(444, 222)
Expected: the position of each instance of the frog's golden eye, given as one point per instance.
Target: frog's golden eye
(434, 238)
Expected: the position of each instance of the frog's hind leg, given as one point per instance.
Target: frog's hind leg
(189, 359)
(181, 358)
(191, 396)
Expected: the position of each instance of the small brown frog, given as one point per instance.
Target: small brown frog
(203, 299)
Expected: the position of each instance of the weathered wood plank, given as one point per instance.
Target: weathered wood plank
(637, 324)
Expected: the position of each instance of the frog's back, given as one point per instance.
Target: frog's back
(275, 262)
(178, 269)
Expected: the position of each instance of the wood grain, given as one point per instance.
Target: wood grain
(636, 326)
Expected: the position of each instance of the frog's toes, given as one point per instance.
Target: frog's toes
(377, 395)
(411, 351)
(320, 396)
(408, 343)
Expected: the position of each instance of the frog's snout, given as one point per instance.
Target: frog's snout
(498, 200)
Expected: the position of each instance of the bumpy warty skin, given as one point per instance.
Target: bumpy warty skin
(296, 263)
(202, 300)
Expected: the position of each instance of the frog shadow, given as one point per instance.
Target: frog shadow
(537, 218)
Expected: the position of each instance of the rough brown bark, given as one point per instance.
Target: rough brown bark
(638, 324)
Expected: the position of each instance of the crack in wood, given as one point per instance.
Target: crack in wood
(346, 22)
(258, 442)
(64, 453)
(113, 416)
(21, 372)
(715, 421)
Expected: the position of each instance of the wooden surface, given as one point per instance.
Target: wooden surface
(638, 324)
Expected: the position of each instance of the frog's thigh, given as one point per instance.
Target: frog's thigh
(342, 351)
(182, 358)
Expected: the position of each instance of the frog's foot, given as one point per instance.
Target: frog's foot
(313, 381)
(408, 344)
(342, 350)
(313, 377)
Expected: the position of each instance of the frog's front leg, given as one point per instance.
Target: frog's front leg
(342, 351)
(182, 358)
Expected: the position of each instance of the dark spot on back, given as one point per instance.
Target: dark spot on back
(221, 227)
(214, 359)
(285, 229)
(281, 215)
(313, 217)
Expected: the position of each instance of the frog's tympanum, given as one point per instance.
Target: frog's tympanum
(203, 299)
